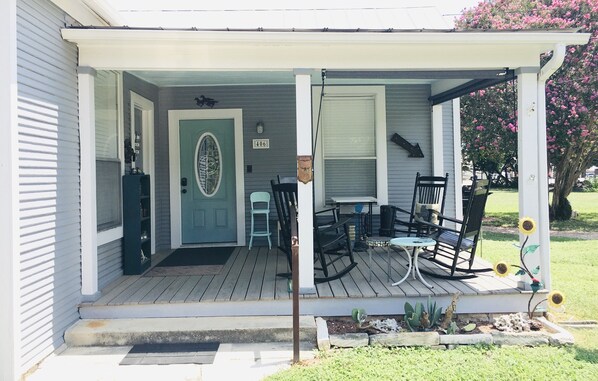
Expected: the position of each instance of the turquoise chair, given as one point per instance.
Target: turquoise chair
(260, 205)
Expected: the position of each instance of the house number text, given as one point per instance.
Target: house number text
(261, 143)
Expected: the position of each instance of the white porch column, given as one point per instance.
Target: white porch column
(527, 162)
(305, 191)
(437, 140)
(9, 196)
(89, 231)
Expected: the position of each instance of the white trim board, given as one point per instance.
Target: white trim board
(10, 328)
(174, 116)
(149, 153)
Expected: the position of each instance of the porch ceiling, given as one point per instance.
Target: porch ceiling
(227, 78)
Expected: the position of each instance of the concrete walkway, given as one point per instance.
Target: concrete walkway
(232, 362)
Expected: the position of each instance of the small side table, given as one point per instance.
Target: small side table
(373, 242)
(416, 243)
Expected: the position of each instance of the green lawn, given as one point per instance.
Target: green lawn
(502, 210)
(463, 363)
(574, 269)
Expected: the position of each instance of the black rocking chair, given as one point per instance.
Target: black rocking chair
(331, 240)
(455, 248)
(429, 194)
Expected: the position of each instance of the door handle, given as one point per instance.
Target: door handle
(183, 181)
(183, 191)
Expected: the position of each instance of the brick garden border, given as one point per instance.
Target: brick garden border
(556, 335)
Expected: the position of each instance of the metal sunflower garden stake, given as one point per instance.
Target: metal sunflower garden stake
(527, 226)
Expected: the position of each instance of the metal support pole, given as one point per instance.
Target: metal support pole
(295, 279)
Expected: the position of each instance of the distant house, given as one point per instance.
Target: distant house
(80, 81)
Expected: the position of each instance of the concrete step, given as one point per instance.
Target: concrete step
(235, 329)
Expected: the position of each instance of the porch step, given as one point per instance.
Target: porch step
(236, 329)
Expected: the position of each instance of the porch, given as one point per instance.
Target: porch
(248, 285)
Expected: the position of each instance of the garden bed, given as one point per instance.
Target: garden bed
(343, 332)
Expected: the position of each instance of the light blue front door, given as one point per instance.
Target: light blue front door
(208, 199)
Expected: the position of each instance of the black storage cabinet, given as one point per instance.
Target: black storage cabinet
(136, 224)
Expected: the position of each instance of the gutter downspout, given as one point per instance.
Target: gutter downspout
(558, 56)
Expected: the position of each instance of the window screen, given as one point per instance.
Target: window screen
(349, 146)
(108, 167)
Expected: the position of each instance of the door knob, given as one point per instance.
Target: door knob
(184, 191)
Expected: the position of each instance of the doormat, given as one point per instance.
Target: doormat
(166, 354)
(193, 261)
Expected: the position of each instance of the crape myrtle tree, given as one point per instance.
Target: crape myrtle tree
(489, 117)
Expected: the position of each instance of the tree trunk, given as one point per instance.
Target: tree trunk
(572, 165)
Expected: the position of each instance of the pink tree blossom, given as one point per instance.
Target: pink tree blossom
(571, 93)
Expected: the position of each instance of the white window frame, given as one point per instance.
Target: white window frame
(378, 93)
(110, 235)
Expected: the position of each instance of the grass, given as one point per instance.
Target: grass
(502, 210)
(574, 269)
(463, 363)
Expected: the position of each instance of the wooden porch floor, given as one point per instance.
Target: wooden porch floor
(248, 281)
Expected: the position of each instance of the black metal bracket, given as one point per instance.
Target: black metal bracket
(413, 149)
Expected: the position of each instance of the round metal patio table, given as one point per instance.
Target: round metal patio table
(415, 243)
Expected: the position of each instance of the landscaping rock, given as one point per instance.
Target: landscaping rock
(521, 339)
(405, 339)
(560, 336)
(322, 338)
(473, 339)
(349, 340)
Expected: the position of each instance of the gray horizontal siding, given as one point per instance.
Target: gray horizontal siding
(50, 239)
(408, 114)
(110, 262)
(274, 105)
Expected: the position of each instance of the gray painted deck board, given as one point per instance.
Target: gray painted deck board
(228, 286)
(199, 290)
(157, 290)
(138, 296)
(171, 290)
(182, 294)
(251, 276)
(254, 289)
(242, 285)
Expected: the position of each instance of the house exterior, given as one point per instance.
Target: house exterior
(75, 84)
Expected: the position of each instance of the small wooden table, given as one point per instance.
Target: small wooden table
(416, 243)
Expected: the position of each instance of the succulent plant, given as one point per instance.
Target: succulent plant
(359, 316)
(418, 318)
(452, 328)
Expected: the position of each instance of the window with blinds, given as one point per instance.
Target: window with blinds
(108, 166)
(349, 146)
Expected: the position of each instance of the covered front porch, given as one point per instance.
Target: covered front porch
(248, 285)
(405, 71)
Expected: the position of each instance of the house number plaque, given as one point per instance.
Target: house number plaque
(261, 143)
